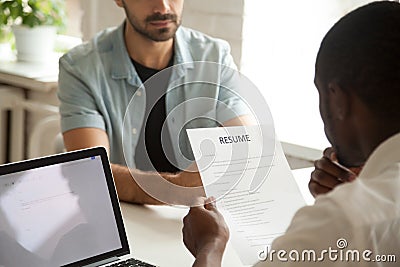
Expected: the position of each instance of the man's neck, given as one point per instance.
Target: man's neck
(149, 53)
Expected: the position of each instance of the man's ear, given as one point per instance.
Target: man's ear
(339, 100)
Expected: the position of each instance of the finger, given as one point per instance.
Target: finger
(328, 152)
(325, 179)
(198, 201)
(210, 204)
(356, 170)
(317, 189)
(334, 157)
(334, 169)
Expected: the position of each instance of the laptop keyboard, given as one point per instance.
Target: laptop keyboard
(131, 263)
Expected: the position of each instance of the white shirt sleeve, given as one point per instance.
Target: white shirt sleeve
(313, 232)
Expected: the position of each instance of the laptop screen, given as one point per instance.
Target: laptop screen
(60, 211)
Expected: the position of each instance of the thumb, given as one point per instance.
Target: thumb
(210, 203)
(333, 156)
(330, 154)
(198, 202)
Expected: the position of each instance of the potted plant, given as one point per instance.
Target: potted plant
(34, 24)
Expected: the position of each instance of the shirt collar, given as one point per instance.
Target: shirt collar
(183, 57)
(182, 53)
(121, 66)
(386, 154)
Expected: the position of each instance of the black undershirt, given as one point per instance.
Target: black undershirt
(153, 146)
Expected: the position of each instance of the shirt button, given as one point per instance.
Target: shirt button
(139, 93)
(134, 131)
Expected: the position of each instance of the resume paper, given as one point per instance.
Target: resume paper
(245, 169)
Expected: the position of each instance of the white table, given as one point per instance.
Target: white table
(155, 232)
(155, 236)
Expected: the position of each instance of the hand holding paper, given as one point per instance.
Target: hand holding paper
(246, 170)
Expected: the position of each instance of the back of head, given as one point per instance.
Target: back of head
(361, 53)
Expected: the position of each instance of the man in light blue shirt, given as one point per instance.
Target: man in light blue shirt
(104, 102)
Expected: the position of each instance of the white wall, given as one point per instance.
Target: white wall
(221, 18)
(98, 15)
(74, 22)
(218, 18)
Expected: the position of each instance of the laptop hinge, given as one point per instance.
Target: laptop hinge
(99, 263)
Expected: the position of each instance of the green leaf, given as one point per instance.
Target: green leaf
(33, 12)
(31, 20)
(15, 11)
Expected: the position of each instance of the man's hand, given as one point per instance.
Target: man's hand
(329, 173)
(205, 233)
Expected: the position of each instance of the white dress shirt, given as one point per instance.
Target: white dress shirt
(361, 218)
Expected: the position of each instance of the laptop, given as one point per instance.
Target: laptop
(62, 210)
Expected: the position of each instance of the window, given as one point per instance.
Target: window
(281, 40)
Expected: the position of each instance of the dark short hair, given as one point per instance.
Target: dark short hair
(361, 52)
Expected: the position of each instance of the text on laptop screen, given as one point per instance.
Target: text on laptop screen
(56, 215)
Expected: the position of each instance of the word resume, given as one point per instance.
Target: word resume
(245, 169)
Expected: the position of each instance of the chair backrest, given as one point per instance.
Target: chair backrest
(45, 138)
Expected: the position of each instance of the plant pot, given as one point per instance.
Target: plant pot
(34, 44)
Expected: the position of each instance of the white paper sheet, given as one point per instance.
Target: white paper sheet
(245, 169)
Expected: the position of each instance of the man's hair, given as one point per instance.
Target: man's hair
(362, 53)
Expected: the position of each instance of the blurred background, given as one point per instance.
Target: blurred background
(274, 43)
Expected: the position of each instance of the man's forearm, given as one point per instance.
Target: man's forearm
(129, 189)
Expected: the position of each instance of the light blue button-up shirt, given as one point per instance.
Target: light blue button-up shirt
(100, 88)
